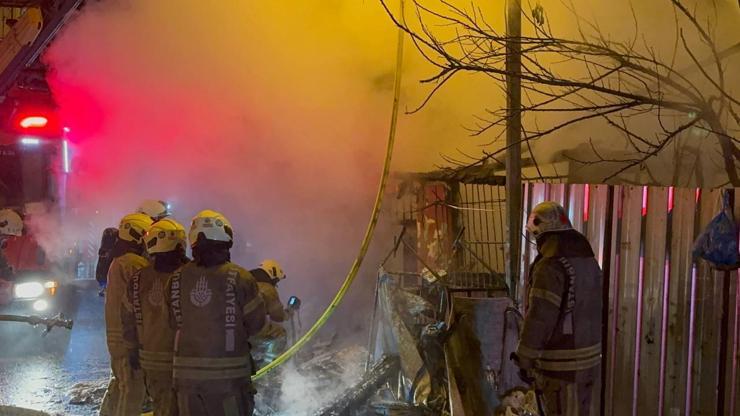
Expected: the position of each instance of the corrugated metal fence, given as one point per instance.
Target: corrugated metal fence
(669, 319)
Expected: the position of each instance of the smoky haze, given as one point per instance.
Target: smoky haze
(272, 114)
(275, 114)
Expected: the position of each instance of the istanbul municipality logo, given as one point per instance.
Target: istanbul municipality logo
(200, 296)
(156, 295)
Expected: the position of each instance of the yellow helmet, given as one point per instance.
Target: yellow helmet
(212, 225)
(548, 216)
(10, 222)
(164, 236)
(157, 210)
(133, 227)
(272, 268)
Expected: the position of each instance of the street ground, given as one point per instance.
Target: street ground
(43, 372)
(66, 372)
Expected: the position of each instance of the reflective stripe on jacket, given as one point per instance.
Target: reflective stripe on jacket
(122, 269)
(147, 325)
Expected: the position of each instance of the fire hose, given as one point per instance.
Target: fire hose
(352, 274)
(49, 323)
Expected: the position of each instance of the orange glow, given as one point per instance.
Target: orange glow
(52, 286)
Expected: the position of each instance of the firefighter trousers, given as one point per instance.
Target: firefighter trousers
(125, 393)
(204, 403)
(160, 388)
(562, 398)
(266, 349)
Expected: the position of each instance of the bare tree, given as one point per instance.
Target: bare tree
(626, 86)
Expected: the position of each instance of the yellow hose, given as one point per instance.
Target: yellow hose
(370, 227)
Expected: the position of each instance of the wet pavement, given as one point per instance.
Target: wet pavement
(65, 373)
(40, 373)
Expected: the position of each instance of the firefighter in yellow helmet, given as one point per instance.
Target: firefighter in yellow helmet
(216, 307)
(146, 328)
(560, 342)
(156, 209)
(126, 390)
(272, 339)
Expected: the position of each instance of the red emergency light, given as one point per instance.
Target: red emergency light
(33, 122)
(37, 122)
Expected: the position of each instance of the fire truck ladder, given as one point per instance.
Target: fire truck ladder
(30, 35)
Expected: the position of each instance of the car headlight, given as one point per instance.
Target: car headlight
(40, 305)
(29, 290)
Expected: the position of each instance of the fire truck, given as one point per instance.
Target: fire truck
(34, 162)
(34, 154)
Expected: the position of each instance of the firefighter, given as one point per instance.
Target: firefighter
(146, 328)
(125, 392)
(216, 307)
(272, 339)
(155, 209)
(560, 344)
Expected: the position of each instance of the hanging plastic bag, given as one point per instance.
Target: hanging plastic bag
(718, 244)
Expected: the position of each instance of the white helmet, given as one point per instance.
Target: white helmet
(212, 226)
(153, 208)
(133, 227)
(164, 236)
(273, 269)
(548, 216)
(10, 223)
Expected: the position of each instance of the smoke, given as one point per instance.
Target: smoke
(654, 29)
(657, 29)
(275, 115)
(249, 109)
(322, 380)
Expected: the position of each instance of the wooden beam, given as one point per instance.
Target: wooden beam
(513, 141)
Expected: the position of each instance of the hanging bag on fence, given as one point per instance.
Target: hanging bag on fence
(718, 243)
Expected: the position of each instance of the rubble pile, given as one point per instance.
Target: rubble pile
(354, 402)
(87, 393)
(313, 379)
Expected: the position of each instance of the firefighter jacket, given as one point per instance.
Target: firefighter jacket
(122, 269)
(215, 309)
(561, 336)
(146, 327)
(275, 313)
